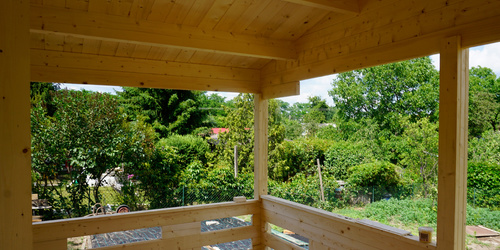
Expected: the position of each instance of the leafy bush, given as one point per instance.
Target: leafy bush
(305, 190)
(483, 183)
(486, 148)
(342, 155)
(292, 157)
(189, 147)
(375, 174)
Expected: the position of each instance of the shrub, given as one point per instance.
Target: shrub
(292, 157)
(342, 155)
(375, 174)
(483, 183)
(189, 147)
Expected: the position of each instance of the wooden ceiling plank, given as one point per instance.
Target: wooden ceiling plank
(197, 12)
(140, 9)
(184, 55)
(156, 53)
(261, 21)
(55, 3)
(322, 63)
(375, 18)
(122, 29)
(239, 25)
(216, 12)
(78, 4)
(234, 12)
(119, 7)
(179, 12)
(98, 6)
(340, 6)
(160, 10)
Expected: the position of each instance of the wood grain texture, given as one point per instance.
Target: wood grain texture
(453, 132)
(15, 143)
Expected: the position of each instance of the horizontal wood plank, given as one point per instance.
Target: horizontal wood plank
(62, 229)
(123, 29)
(333, 230)
(340, 6)
(61, 59)
(281, 90)
(275, 242)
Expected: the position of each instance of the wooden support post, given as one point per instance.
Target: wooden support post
(15, 143)
(452, 173)
(321, 182)
(260, 151)
(235, 161)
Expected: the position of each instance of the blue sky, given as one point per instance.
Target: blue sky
(486, 56)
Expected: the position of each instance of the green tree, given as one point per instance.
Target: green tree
(382, 93)
(484, 101)
(420, 154)
(213, 105)
(170, 111)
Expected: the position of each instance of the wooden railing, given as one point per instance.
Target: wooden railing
(181, 227)
(326, 230)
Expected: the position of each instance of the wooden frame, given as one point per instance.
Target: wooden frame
(262, 46)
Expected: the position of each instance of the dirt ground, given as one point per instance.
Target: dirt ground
(484, 243)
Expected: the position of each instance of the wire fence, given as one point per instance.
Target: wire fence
(112, 198)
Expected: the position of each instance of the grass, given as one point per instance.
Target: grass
(411, 214)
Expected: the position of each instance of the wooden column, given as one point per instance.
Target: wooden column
(452, 173)
(260, 151)
(15, 160)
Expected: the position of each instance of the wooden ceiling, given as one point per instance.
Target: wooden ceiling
(258, 46)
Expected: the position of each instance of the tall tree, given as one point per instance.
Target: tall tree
(384, 92)
(170, 111)
(484, 101)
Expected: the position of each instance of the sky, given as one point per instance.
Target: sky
(485, 56)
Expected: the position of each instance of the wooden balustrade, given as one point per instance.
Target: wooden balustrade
(180, 227)
(327, 230)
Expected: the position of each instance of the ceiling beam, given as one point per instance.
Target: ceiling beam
(340, 6)
(104, 27)
(67, 67)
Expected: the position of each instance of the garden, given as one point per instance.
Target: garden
(376, 149)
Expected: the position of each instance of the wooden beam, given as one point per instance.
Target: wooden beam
(281, 90)
(58, 66)
(333, 230)
(15, 143)
(452, 171)
(261, 141)
(340, 6)
(67, 228)
(104, 27)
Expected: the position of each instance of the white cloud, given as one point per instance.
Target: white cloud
(313, 87)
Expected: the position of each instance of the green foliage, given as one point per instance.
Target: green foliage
(376, 173)
(189, 147)
(213, 104)
(486, 148)
(483, 183)
(239, 122)
(293, 129)
(304, 189)
(159, 176)
(384, 92)
(420, 151)
(170, 111)
(292, 157)
(342, 155)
